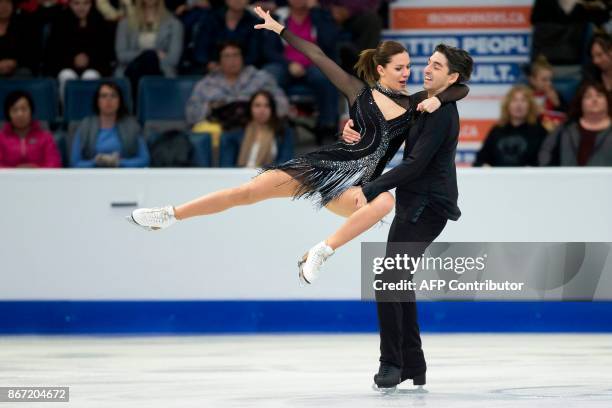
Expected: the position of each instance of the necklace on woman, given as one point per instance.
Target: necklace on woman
(391, 93)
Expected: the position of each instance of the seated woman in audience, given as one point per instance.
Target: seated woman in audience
(262, 137)
(80, 44)
(601, 57)
(148, 42)
(111, 138)
(23, 142)
(586, 140)
(517, 137)
(552, 106)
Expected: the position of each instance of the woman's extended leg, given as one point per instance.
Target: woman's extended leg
(358, 221)
(271, 184)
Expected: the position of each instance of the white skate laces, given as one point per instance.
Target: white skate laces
(312, 261)
(153, 219)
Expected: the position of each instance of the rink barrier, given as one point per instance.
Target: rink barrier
(321, 316)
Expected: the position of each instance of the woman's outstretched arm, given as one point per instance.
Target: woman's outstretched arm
(348, 84)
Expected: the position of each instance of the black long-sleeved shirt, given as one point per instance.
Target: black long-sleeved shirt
(512, 146)
(427, 175)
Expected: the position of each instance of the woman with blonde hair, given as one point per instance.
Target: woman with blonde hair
(516, 138)
(382, 111)
(148, 42)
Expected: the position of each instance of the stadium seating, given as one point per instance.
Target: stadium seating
(44, 93)
(161, 103)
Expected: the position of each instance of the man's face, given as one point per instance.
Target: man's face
(230, 61)
(436, 77)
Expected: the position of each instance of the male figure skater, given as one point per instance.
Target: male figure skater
(426, 197)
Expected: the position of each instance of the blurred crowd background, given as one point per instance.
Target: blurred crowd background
(191, 83)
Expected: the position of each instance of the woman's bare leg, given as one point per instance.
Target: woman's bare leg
(271, 184)
(358, 220)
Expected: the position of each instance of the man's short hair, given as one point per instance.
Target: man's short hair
(459, 61)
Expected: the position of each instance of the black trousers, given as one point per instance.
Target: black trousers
(400, 338)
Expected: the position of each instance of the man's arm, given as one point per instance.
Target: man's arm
(435, 131)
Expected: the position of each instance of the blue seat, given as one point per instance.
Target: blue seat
(79, 95)
(202, 149)
(162, 98)
(161, 103)
(229, 147)
(567, 88)
(43, 91)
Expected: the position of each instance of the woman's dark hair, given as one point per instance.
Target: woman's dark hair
(603, 39)
(229, 43)
(459, 61)
(122, 110)
(381, 55)
(12, 98)
(274, 122)
(575, 111)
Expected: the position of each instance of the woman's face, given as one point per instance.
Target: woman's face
(21, 114)
(518, 108)
(261, 111)
(601, 58)
(594, 102)
(541, 80)
(108, 101)
(395, 74)
(80, 8)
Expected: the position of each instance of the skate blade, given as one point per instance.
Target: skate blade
(301, 262)
(384, 391)
(417, 390)
(130, 219)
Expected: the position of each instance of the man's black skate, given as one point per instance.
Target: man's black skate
(387, 378)
(416, 379)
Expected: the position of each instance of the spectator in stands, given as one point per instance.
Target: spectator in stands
(225, 94)
(289, 66)
(360, 27)
(110, 138)
(15, 43)
(586, 140)
(148, 42)
(559, 28)
(234, 23)
(552, 106)
(115, 11)
(517, 137)
(23, 142)
(80, 44)
(262, 138)
(601, 57)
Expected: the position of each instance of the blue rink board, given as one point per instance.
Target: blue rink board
(329, 316)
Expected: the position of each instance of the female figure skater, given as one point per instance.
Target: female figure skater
(328, 175)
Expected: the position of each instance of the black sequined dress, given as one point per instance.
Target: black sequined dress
(326, 173)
